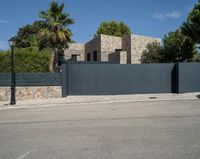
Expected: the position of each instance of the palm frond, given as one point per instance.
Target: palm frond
(61, 36)
(56, 31)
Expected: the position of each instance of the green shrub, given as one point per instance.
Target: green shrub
(25, 60)
(196, 58)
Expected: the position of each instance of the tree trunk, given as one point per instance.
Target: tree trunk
(52, 61)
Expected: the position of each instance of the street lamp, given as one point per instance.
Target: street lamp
(13, 98)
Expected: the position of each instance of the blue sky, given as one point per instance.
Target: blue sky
(144, 17)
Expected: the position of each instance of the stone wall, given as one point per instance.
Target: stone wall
(109, 44)
(126, 45)
(119, 57)
(138, 45)
(27, 93)
(75, 49)
(93, 45)
(105, 45)
(123, 57)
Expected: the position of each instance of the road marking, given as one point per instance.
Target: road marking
(26, 154)
(93, 102)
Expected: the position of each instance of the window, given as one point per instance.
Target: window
(74, 57)
(117, 50)
(95, 55)
(88, 57)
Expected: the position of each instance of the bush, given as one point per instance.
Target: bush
(153, 54)
(196, 58)
(25, 60)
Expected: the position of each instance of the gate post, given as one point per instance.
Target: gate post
(64, 79)
(177, 78)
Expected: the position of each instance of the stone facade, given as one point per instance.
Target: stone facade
(103, 47)
(109, 44)
(123, 57)
(27, 93)
(119, 57)
(77, 50)
(139, 45)
(126, 45)
(91, 46)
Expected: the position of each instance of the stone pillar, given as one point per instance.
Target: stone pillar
(123, 57)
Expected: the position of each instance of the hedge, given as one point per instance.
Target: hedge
(25, 60)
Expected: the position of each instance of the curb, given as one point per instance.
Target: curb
(65, 103)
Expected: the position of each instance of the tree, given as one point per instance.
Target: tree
(28, 33)
(178, 47)
(196, 57)
(33, 42)
(113, 28)
(56, 30)
(191, 27)
(153, 54)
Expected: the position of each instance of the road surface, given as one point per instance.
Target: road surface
(118, 130)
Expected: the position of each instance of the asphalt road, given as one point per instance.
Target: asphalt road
(124, 130)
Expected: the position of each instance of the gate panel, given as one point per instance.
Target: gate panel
(111, 79)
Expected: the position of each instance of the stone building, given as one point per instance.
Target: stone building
(126, 50)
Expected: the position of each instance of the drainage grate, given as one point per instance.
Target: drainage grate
(152, 97)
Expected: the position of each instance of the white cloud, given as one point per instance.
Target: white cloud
(4, 21)
(3, 45)
(172, 15)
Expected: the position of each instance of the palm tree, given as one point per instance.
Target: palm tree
(56, 31)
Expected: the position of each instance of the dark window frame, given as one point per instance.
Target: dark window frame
(95, 56)
(74, 57)
(88, 57)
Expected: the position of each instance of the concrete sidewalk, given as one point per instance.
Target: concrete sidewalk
(100, 99)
